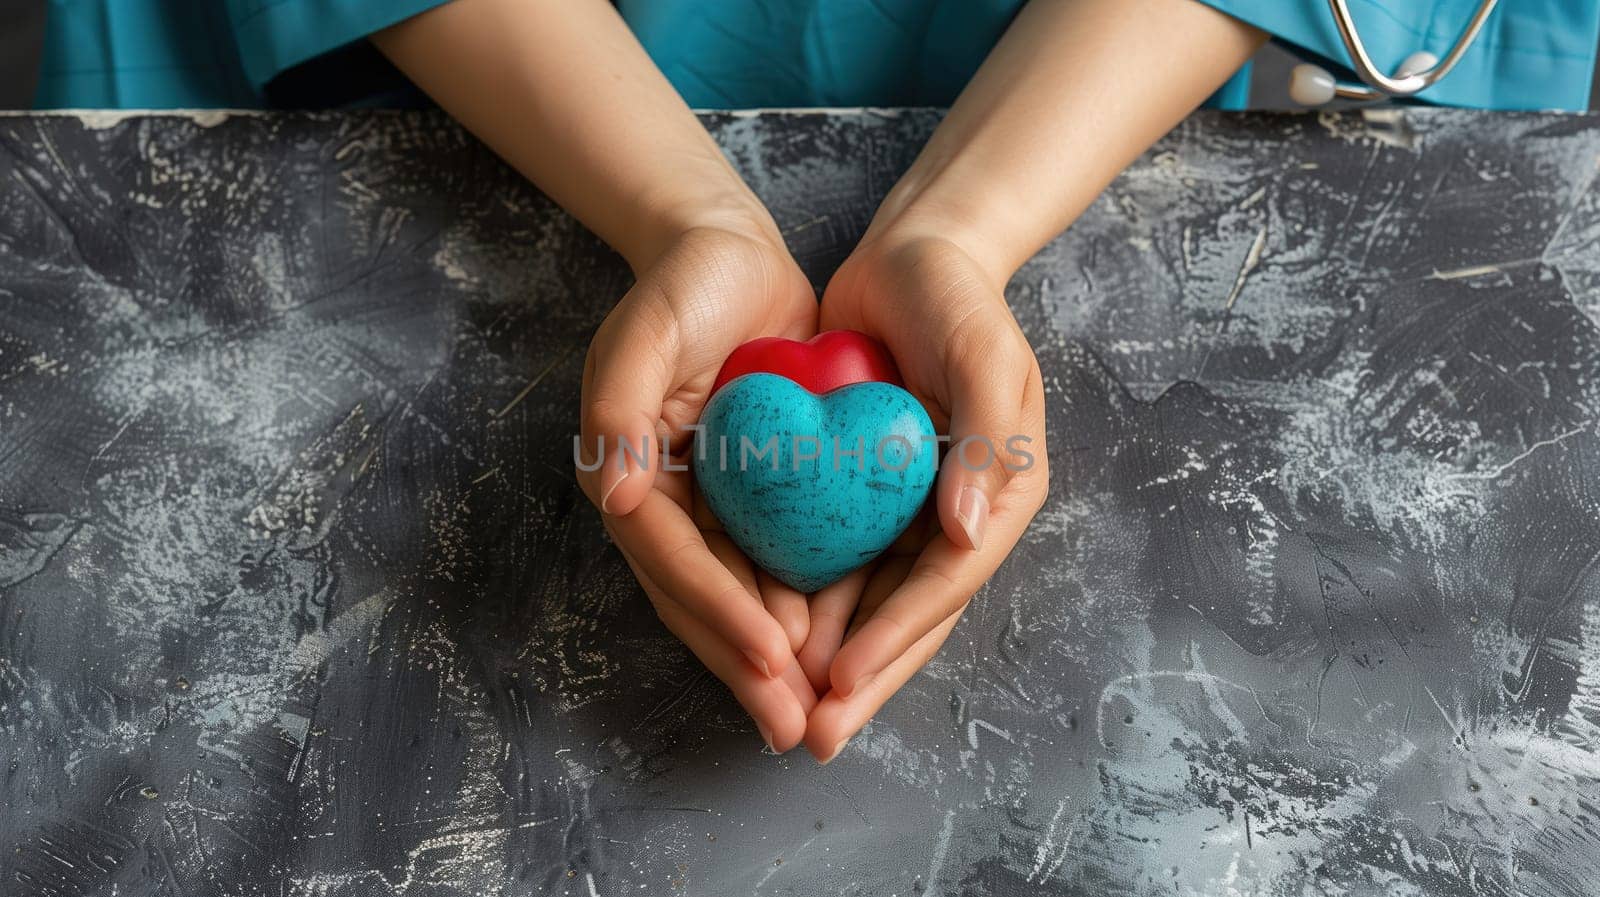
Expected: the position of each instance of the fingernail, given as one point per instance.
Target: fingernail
(616, 476)
(759, 663)
(767, 737)
(972, 512)
(828, 757)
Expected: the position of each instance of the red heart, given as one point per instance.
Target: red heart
(827, 361)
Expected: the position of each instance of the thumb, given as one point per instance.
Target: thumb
(626, 377)
(985, 396)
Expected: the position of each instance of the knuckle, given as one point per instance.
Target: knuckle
(606, 415)
(732, 598)
(680, 552)
(972, 339)
(990, 353)
(830, 617)
(645, 319)
(897, 631)
(942, 585)
(1012, 353)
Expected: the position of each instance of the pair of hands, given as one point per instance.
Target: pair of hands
(813, 668)
(1032, 139)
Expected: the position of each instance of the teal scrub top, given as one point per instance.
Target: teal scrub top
(1532, 54)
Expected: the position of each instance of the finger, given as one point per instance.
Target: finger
(940, 582)
(730, 557)
(795, 678)
(778, 707)
(778, 711)
(837, 718)
(989, 372)
(787, 605)
(890, 573)
(627, 374)
(830, 611)
(668, 547)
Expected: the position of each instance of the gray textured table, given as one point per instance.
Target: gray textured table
(297, 596)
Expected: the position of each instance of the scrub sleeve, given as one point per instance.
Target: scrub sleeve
(1531, 54)
(194, 53)
(803, 53)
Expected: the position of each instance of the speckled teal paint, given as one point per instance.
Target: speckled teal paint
(810, 522)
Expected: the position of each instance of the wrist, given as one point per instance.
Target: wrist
(914, 214)
(926, 233)
(666, 218)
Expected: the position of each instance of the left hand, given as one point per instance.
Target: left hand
(647, 377)
(961, 353)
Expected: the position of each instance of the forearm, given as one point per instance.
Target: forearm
(563, 91)
(1070, 96)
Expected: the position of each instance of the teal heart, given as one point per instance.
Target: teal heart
(810, 521)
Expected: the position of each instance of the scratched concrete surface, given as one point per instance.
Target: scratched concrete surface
(297, 596)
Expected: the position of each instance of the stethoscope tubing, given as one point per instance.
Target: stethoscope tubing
(1312, 85)
(1403, 83)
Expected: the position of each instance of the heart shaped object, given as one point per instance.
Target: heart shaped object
(811, 485)
(827, 361)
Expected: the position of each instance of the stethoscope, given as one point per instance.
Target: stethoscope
(1313, 85)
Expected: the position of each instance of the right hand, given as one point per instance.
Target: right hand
(944, 317)
(647, 376)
